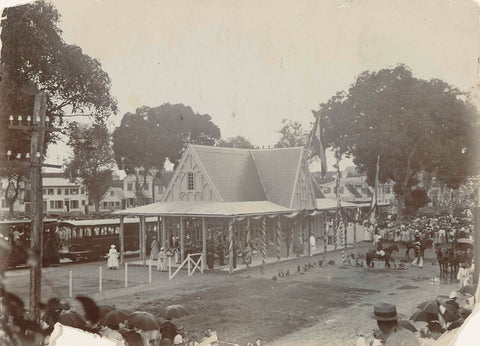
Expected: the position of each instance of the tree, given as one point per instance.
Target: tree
(34, 57)
(414, 125)
(146, 138)
(236, 142)
(292, 134)
(92, 160)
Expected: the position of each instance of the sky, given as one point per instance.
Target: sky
(251, 63)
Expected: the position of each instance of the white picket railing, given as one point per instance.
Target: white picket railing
(189, 261)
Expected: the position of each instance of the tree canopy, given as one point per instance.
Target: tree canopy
(292, 134)
(35, 57)
(147, 137)
(92, 160)
(414, 125)
(236, 142)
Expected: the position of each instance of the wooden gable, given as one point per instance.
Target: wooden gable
(303, 195)
(190, 182)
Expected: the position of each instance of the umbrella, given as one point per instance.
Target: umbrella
(405, 324)
(175, 311)
(168, 330)
(72, 319)
(131, 337)
(115, 317)
(467, 289)
(143, 320)
(105, 309)
(431, 309)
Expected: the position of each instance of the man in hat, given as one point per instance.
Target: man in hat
(452, 301)
(387, 320)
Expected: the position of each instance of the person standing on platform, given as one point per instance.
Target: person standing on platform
(112, 262)
(162, 260)
(154, 249)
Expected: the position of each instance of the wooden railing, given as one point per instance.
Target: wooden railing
(189, 261)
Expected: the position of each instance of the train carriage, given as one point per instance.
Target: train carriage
(91, 239)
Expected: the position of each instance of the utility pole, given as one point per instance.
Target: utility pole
(36, 237)
(37, 126)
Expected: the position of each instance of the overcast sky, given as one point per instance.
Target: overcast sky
(251, 63)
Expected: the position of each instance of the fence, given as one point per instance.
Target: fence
(189, 261)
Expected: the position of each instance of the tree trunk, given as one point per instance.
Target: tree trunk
(96, 202)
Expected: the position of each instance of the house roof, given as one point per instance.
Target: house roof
(329, 177)
(117, 191)
(331, 203)
(353, 190)
(57, 181)
(232, 172)
(278, 171)
(202, 208)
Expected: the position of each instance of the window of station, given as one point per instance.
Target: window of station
(190, 181)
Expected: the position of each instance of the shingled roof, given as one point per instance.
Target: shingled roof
(251, 174)
(233, 173)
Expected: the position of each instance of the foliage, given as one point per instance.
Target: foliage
(35, 57)
(92, 159)
(236, 142)
(292, 134)
(413, 124)
(416, 199)
(147, 137)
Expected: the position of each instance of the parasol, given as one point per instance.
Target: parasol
(143, 320)
(176, 311)
(432, 309)
(72, 319)
(105, 309)
(115, 317)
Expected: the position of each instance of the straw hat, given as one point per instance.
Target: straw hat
(385, 312)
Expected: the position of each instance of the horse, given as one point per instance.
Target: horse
(425, 243)
(372, 254)
(449, 258)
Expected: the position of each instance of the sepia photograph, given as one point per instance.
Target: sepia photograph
(239, 172)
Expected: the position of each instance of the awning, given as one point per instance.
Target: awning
(331, 203)
(209, 209)
(104, 222)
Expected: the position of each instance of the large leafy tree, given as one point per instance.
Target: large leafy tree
(236, 142)
(292, 134)
(35, 57)
(92, 159)
(414, 125)
(146, 138)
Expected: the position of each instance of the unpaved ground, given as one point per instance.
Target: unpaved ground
(328, 304)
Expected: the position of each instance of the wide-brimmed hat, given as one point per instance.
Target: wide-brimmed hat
(385, 312)
(162, 248)
(112, 246)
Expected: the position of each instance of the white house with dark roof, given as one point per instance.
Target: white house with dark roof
(113, 199)
(239, 194)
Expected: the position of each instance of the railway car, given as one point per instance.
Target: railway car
(91, 239)
(17, 234)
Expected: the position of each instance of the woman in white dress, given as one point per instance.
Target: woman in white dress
(112, 262)
(162, 260)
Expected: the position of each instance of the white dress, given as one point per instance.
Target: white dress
(112, 262)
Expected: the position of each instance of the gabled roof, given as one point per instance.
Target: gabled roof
(118, 191)
(233, 173)
(329, 177)
(278, 171)
(353, 190)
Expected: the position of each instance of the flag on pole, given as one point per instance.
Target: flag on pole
(319, 148)
(373, 204)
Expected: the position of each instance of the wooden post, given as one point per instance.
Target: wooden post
(126, 274)
(70, 284)
(36, 237)
(264, 242)
(164, 233)
(249, 243)
(100, 279)
(277, 236)
(182, 245)
(158, 229)
(122, 241)
(204, 243)
(150, 271)
(143, 239)
(309, 222)
(230, 246)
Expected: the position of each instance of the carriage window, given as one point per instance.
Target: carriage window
(74, 234)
